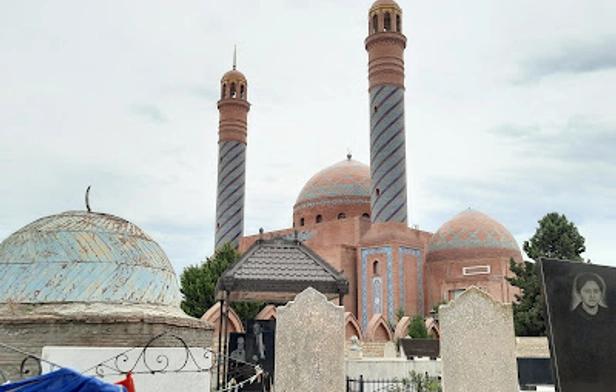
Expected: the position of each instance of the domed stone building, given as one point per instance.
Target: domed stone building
(355, 216)
(470, 249)
(87, 279)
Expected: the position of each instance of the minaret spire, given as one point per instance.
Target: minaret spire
(233, 109)
(385, 45)
(234, 56)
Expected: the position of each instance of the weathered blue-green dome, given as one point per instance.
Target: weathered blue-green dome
(85, 257)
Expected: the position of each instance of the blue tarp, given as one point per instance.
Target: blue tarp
(63, 380)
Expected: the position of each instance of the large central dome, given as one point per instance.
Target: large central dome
(339, 191)
(85, 257)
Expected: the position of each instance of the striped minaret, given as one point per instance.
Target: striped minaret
(233, 108)
(385, 45)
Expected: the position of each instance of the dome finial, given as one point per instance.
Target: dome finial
(88, 198)
(349, 155)
(234, 56)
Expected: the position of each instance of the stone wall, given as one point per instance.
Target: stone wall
(380, 368)
(31, 335)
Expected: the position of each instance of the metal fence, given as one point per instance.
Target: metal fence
(394, 385)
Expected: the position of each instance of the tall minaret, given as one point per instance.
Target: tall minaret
(385, 45)
(233, 108)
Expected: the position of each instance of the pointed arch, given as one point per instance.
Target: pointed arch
(378, 329)
(267, 313)
(233, 93)
(351, 326)
(398, 23)
(213, 316)
(223, 91)
(433, 328)
(402, 328)
(375, 23)
(242, 91)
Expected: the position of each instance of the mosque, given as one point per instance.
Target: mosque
(354, 216)
(88, 278)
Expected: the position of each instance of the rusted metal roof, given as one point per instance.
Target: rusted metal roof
(80, 256)
(278, 269)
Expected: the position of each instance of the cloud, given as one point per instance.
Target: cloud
(566, 167)
(572, 58)
(150, 112)
(579, 141)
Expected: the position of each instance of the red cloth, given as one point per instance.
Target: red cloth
(127, 383)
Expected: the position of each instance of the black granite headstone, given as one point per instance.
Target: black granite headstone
(237, 367)
(420, 348)
(580, 303)
(533, 372)
(260, 343)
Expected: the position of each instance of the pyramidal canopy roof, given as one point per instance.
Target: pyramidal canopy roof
(278, 269)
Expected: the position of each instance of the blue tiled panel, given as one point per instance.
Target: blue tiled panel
(377, 295)
(365, 252)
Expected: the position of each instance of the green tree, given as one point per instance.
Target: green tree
(555, 237)
(528, 308)
(198, 285)
(417, 328)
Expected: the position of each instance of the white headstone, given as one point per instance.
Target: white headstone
(310, 345)
(355, 352)
(477, 344)
(389, 351)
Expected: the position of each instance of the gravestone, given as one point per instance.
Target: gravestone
(310, 345)
(260, 350)
(355, 352)
(477, 344)
(389, 351)
(420, 348)
(580, 299)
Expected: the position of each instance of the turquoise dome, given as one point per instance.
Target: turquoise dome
(472, 235)
(85, 257)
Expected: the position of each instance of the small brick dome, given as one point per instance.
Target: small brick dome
(343, 188)
(380, 3)
(233, 76)
(472, 235)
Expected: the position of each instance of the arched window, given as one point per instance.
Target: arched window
(387, 22)
(242, 91)
(378, 192)
(376, 268)
(341, 215)
(365, 215)
(375, 23)
(398, 24)
(319, 218)
(223, 91)
(301, 222)
(233, 92)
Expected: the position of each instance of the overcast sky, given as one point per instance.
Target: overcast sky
(510, 110)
